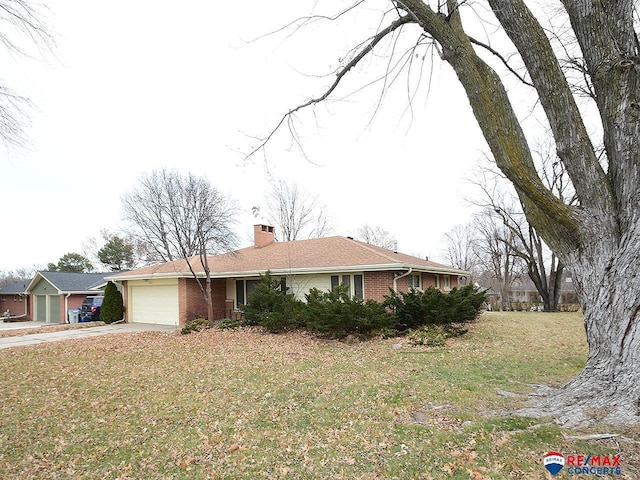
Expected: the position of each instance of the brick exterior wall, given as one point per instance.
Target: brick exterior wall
(125, 300)
(376, 285)
(191, 303)
(63, 312)
(19, 306)
(428, 280)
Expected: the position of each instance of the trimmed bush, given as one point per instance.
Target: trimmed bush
(112, 308)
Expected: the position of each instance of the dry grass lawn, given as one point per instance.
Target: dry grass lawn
(247, 405)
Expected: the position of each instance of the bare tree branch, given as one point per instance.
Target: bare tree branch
(286, 118)
(502, 59)
(19, 19)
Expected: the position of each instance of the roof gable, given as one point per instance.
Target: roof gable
(65, 282)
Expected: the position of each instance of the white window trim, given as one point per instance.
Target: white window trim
(419, 277)
(352, 287)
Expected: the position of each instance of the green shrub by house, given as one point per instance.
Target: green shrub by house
(270, 307)
(416, 308)
(112, 308)
(338, 314)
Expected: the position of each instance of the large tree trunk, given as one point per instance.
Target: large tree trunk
(608, 389)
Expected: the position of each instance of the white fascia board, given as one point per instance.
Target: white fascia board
(83, 292)
(150, 275)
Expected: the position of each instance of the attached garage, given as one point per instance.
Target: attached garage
(153, 301)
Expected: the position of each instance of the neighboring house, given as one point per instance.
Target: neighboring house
(168, 294)
(524, 295)
(14, 299)
(53, 294)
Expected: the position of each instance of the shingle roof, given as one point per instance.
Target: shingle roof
(300, 256)
(14, 288)
(74, 282)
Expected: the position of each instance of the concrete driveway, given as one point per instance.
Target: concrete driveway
(33, 339)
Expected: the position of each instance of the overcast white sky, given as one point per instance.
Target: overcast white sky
(148, 84)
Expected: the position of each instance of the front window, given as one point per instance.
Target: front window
(244, 289)
(414, 281)
(353, 283)
(447, 282)
(239, 292)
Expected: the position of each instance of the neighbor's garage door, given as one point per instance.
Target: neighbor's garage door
(154, 304)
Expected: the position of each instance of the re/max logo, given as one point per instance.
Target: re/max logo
(595, 460)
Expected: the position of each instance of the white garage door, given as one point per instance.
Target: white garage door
(154, 304)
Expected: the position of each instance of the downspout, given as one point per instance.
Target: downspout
(395, 279)
(66, 307)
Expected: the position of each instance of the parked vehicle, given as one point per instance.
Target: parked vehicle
(90, 309)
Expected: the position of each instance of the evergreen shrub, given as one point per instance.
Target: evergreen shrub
(112, 308)
(338, 314)
(271, 308)
(416, 308)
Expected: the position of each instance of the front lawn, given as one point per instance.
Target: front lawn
(244, 404)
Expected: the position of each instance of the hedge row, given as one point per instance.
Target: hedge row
(337, 314)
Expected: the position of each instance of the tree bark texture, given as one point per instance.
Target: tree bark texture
(598, 240)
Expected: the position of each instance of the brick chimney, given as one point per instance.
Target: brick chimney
(263, 235)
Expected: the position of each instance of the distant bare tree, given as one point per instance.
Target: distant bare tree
(182, 217)
(294, 213)
(23, 274)
(461, 244)
(376, 236)
(147, 208)
(20, 21)
(543, 267)
(497, 256)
